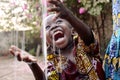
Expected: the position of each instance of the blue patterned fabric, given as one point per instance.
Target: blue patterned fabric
(112, 56)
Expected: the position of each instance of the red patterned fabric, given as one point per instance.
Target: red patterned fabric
(70, 71)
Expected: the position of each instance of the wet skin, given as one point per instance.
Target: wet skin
(58, 32)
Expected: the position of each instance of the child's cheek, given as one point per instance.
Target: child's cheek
(48, 40)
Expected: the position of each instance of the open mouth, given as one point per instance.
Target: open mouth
(58, 35)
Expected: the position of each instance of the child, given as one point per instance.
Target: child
(72, 49)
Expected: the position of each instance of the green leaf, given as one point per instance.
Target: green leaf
(95, 10)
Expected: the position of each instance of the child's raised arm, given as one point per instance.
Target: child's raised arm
(31, 60)
(82, 29)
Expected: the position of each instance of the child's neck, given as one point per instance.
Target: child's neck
(68, 52)
(68, 49)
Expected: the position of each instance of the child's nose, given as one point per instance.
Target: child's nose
(54, 26)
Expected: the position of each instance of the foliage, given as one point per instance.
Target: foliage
(94, 7)
(25, 13)
(22, 15)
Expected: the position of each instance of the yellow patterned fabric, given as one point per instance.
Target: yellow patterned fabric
(83, 68)
(84, 63)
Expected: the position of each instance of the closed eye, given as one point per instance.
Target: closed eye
(58, 21)
(47, 27)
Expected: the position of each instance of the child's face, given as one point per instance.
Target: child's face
(58, 32)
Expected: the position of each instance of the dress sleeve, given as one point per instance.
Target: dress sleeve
(93, 48)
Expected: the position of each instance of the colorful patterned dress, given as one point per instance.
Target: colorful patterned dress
(87, 67)
(112, 56)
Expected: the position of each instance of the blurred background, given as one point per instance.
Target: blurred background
(20, 22)
(20, 25)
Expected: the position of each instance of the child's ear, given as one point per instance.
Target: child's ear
(73, 32)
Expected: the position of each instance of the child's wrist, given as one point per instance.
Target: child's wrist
(30, 63)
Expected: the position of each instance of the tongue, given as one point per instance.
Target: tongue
(58, 36)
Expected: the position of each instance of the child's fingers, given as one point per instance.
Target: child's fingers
(26, 57)
(29, 59)
(56, 9)
(12, 52)
(22, 55)
(19, 56)
(15, 48)
(57, 15)
(16, 54)
(15, 51)
(32, 58)
(54, 2)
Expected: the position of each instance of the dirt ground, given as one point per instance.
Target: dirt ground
(11, 69)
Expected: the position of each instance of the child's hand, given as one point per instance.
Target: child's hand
(21, 55)
(59, 8)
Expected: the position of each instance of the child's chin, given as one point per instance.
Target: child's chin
(61, 46)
